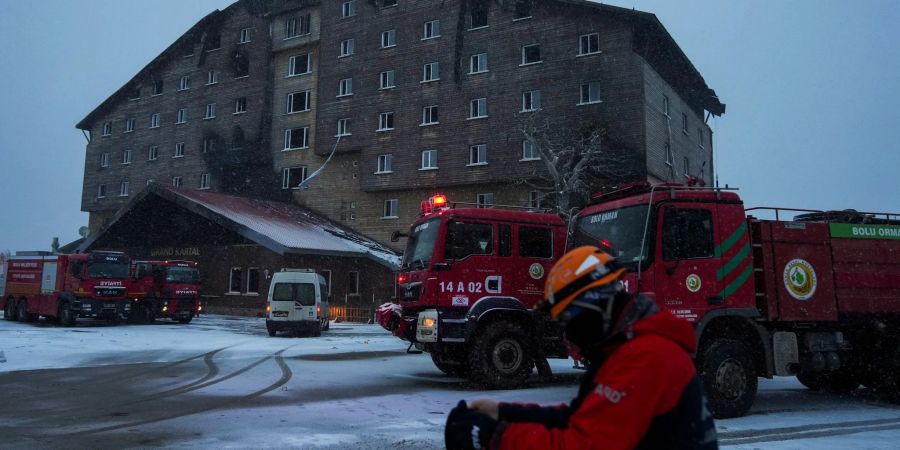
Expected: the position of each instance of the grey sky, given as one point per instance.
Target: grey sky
(812, 88)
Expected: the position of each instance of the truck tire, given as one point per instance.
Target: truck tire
(22, 312)
(184, 320)
(65, 315)
(9, 311)
(728, 376)
(455, 367)
(501, 356)
(271, 331)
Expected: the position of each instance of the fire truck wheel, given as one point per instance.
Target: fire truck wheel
(728, 376)
(65, 315)
(184, 320)
(22, 312)
(450, 365)
(501, 356)
(9, 312)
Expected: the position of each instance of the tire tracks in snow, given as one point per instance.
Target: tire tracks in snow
(286, 375)
(806, 431)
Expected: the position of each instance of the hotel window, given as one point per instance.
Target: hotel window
(240, 105)
(665, 106)
(670, 158)
(531, 101)
(478, 155)
(213, 41)
(534, 199)
(179, 150)
(353, 285)
(684, 123)
(299, 64)
(478, 108)
(345, 87)
(429, 159)
(107, 129)
(348, 9)
(387, 79)
(348, 47)
(253, 280)
(153, 154)
(297, 102)
(126, 157)
(385, 121)
(523, 9)
(212, 77)
(385, 163)
(101, 191)
(104, 160)
(154, 121)
(386, 3)
(589, 44)
(296, 138)
(478, 63)
(210, 111)
(209, 146)
(343, 127)
(185, 83)
(204, 181)
(391, 209)
(176, 181)
(123, 189)
(246, 35)
(432, 29)
(686, 167)
(129, 125)
(531, 54)
(700, 137)
(431, 72)
(485, 200)
(326, 274)
(529, 153)
(590, 93)
(429, 115)
(158, 87)
(291, 177)
(234, 280)
(388, 38)
(181, 117)
(479, 16)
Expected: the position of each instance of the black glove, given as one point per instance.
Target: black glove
(468, 429)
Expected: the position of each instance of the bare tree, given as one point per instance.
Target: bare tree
(577, 159)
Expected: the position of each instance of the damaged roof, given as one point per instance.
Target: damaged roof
(280, 227)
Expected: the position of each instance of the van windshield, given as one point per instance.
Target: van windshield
(302, 293)
(420, 245)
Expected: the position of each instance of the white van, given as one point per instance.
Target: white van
(298, 302)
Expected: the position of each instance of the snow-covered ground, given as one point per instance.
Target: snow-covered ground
(221, 382)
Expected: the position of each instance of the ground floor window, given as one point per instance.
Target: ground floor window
(253, 280)
(234, 281)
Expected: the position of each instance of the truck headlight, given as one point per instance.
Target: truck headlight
(428, 322)
(427, 327)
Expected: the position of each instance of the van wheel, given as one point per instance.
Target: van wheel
(728, 376)
(501, 356)
(65, 315)
(271, 331)
(9, 312)
(327, 325)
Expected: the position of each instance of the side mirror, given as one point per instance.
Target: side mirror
(395, 236)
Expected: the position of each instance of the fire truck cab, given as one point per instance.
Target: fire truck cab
(467, 284)
(166, 289)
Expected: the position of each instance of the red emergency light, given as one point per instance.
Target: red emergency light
(434, 203)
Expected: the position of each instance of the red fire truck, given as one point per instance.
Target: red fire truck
(65, 287)
(166, 289)
(817, 296)
(468, 281)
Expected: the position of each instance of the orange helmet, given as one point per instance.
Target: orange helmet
(582, 269)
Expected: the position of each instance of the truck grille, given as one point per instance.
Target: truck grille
(109, 292)
(185, 303)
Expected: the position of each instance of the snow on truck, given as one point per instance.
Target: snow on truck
(817, 296)
(168, 289)
(65, 287)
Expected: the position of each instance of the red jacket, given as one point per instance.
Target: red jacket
(646, 394)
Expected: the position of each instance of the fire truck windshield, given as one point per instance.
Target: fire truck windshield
(185, 275)
(621, 229)
(109, 270)
(420, 245)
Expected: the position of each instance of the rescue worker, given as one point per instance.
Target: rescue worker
(641, 390)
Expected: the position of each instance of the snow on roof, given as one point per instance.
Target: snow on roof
(292, 227)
